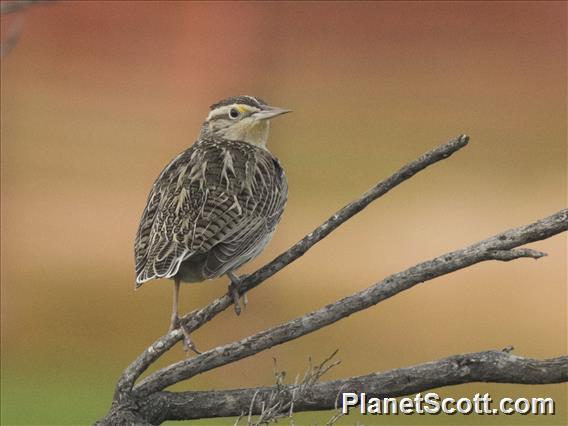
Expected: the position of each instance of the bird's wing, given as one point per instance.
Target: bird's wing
(219, 199)
(254, 228)
(149, 240)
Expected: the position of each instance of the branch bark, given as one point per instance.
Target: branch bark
(489, 366)
(147, 402)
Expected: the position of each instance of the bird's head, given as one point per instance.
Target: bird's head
(242, 118)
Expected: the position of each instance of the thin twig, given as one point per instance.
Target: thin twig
(507, 255)
(280, 401)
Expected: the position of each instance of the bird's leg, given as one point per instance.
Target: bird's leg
(175, 317)
(234, 288)
(175, 322)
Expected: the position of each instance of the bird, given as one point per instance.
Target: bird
(216, 205)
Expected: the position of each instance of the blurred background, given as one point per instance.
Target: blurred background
(97, 97)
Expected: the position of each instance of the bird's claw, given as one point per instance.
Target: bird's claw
(188, 344)
(234, 292)
(234, 288)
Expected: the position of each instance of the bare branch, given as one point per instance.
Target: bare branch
(507, 255)
(12, 37)
(450, 262)
(147, 402)
(197, 318)
(15, 31)
(489, 366)
(19, 5)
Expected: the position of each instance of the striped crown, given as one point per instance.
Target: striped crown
(246, 100)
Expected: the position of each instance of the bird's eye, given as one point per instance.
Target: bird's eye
(234, 113)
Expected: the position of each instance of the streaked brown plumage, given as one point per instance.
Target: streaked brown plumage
(216, 205)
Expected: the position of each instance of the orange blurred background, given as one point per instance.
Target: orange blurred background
(97, 97)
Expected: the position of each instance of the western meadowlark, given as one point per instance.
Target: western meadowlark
(215, 206)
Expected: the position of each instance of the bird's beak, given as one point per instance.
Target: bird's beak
(268, 112)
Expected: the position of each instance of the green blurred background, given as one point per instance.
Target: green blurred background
(98, 96)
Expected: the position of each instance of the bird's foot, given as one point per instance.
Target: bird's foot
(188, 344)
(234, 289)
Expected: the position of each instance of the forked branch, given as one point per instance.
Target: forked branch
(147, 401)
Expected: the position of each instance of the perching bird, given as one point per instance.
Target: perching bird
(215, 206)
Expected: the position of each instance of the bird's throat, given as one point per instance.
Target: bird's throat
(255, 133)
